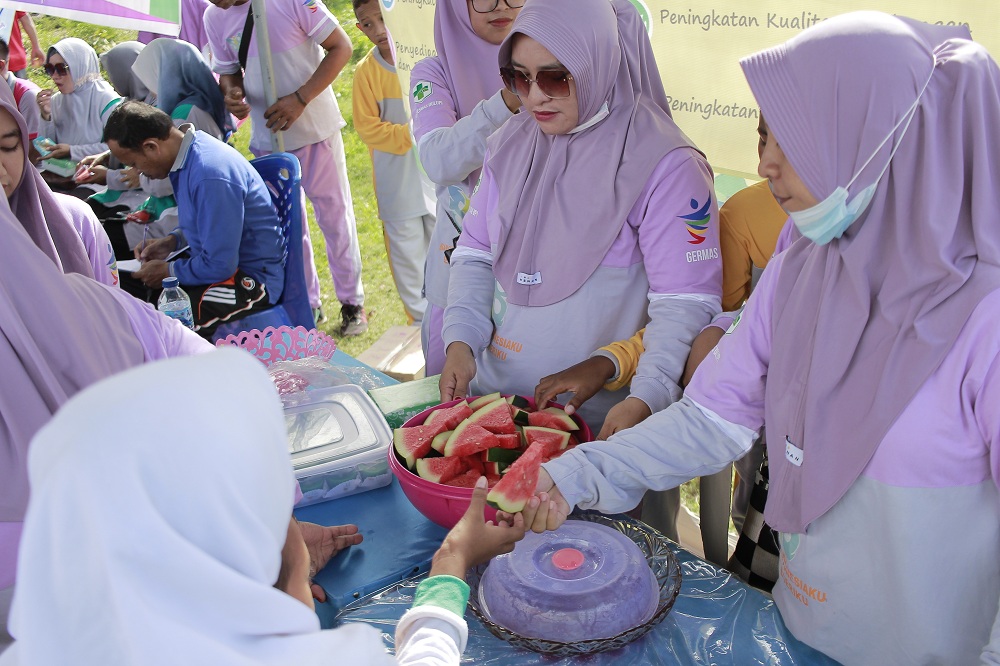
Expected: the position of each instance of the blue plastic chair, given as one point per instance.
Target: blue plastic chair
(283, 175)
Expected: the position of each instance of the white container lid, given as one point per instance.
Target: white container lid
(329, 427)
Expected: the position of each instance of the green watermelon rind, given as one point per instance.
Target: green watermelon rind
(502, 455)
(424, 471)
(437, 444)
(518, 401)
(484, 400)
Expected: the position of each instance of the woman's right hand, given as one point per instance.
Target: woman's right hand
(459, 369)
(44, 99)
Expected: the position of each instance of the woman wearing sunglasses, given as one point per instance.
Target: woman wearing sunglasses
(594, 215)
(74, 116)
(458, 100)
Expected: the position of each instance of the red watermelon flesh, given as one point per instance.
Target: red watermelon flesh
(553, 441)
(440, 470)
(469, 438)
(465, 480)
(473, 463)
(512, 441)
(450, 416)
(547, 419)
(495, 417)
(518, 483)
(414, 442)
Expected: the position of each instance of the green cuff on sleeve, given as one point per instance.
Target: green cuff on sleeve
(445, 592)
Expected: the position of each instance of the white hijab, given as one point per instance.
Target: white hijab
(160, 503)
(79, 116)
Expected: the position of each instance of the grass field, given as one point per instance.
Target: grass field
(381, 300)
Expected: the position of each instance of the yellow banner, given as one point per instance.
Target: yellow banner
(698, 45)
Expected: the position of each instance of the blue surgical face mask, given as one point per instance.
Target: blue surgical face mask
(832, 216)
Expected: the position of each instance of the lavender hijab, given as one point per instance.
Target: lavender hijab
(861, 323)
(58, 334)
(468, 60)
(569, 195)
(37, 209)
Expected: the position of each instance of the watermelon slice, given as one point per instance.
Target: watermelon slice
(473, 463)
(492, 480)
(553, 441)
(495, 417)
(512, 441)
(494, 468)
(518, 401)
(485, 400)
(414, 442)
(502, 455)
(469, 438)
(553, 417)
(464, 480)
(520, 416)
(437, 444)
(440, 470)
(517, 485)
(450, 416)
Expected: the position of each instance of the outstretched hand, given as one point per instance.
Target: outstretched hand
(474, 541)
(546, 511)
(458, 372)
(323, 543)
(624, 415)
(583, 380)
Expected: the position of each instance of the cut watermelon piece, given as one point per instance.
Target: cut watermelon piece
(520, 416)
(414, 442)
(469, 438)
(512, 441)
(485, 400)
(502, 455)
(437, 444)
(450, 416)
(518, 401)
(494, 468)
(553, 441)
(495, 417)
(518, 484)
(473, 463)
(440, 470)
(553, 417)
(464, 480)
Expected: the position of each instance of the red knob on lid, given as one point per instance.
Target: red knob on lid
(567, 559)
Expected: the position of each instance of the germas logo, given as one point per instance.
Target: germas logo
(697, 222)
(422, 91)
(310, 5)
(644, 14)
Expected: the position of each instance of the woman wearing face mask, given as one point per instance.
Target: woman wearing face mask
(870, 348)
(580, 231)
(74, 116)
(458, 100)
(63, 227)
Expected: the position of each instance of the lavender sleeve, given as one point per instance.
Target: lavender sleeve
(685, 279)
(988, 417)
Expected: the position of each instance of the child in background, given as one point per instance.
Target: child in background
(405, 196)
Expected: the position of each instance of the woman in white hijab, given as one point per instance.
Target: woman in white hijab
(156, 537)
(74, 116)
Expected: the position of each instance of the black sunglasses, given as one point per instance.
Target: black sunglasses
(486, 6)
(62, 69)
(554, 83)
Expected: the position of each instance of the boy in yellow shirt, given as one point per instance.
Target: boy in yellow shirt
(406, 199)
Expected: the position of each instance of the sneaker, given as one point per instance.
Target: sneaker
(319, 315)
(355, 322)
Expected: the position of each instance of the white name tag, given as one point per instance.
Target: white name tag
(524, 278)
(793, 454)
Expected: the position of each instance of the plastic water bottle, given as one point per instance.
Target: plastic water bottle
(175, 303)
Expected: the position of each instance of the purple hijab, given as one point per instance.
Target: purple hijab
(469, 61)
(569, 195)
(50, 227)
(862, 322)
(58, 334)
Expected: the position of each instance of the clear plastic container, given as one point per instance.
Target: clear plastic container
(581, 582)
(338, 441)
(174, 302)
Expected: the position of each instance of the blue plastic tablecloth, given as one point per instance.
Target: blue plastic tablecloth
(717, 619)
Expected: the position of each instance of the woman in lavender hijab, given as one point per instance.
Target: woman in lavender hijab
(457, 100)
(870, 348)
(580, 229)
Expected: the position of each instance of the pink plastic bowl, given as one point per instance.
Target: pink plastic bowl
(440, 503)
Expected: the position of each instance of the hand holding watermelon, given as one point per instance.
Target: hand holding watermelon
(546, 511)
(473, 541)
(583, 380)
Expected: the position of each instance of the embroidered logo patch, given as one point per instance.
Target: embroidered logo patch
(422, 90)
(248, 283)
(643, 10)
(311, 6)
(234, 41)
(697, 222)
